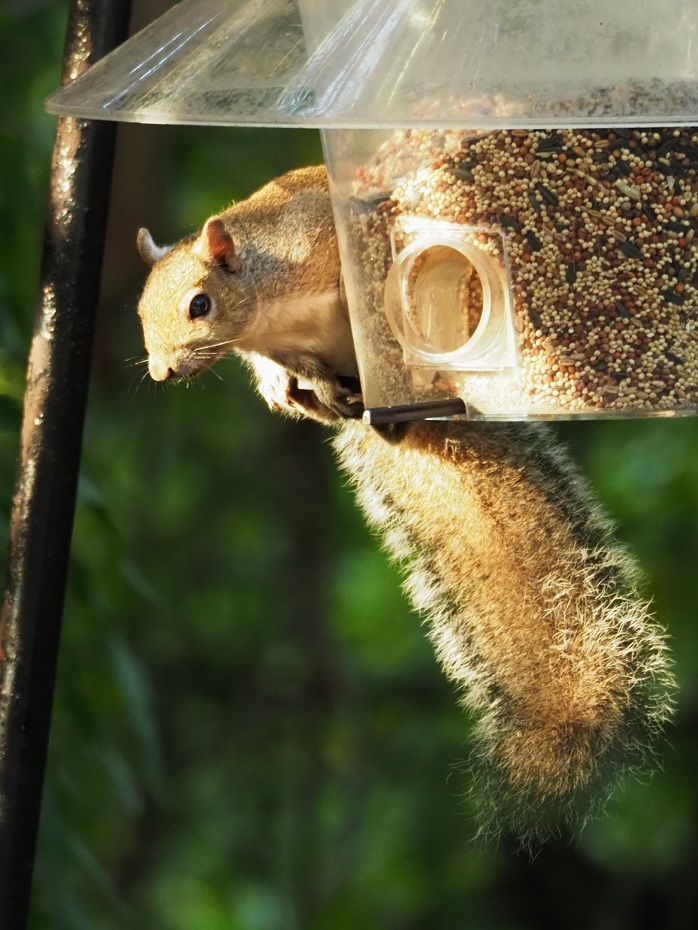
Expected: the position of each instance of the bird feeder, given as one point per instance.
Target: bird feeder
(514, 184)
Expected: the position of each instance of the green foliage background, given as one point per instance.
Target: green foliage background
(250, 731)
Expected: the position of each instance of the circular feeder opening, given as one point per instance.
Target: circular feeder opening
(447, 299)
(444, 298)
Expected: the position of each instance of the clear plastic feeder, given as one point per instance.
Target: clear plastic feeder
(527, 273)
(514, 184)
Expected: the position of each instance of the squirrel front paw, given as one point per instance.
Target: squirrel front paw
(340, 396)
(298, 389)
(326, 399)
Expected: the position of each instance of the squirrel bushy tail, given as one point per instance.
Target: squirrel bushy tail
(532, 606)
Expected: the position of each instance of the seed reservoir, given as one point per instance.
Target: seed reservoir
(529, 272)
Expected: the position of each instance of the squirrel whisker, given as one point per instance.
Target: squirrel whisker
(216, 345)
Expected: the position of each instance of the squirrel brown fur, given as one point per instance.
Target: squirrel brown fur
(531, 604)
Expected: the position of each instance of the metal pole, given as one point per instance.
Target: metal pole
(54, 411)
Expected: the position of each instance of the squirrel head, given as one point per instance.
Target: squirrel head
(196, 301)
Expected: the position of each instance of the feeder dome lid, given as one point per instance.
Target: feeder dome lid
(381, 63)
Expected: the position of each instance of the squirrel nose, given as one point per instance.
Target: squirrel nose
(160, 371)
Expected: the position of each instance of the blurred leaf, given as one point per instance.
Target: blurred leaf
(139, 707)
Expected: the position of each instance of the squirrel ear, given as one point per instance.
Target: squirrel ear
(216, 244)
(147, 249)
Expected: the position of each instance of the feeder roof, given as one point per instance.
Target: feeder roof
(367, 63)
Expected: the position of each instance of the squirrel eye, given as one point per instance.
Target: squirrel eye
(199, 305)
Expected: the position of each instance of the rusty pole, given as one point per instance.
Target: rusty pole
(54, 411)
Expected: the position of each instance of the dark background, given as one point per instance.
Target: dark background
(250, 729)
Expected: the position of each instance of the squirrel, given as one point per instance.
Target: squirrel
(531, 603)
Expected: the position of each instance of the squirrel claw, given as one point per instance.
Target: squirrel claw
(340, 398)
(325, 400)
